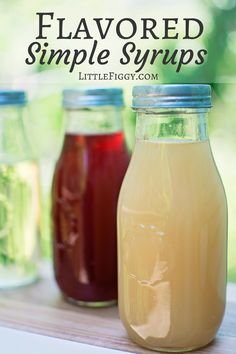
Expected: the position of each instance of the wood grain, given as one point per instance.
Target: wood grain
(40, 309)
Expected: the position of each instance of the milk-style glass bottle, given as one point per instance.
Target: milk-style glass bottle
(86, 185)
(19, 196)
(172, 223)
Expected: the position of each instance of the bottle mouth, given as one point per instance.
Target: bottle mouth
(172, 96)
(12, 98)
(92, 97)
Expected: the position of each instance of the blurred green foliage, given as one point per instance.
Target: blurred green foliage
(220, 72)
(45, 123)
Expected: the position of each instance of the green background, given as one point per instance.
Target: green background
(45, 125)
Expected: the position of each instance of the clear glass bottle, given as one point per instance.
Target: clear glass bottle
(19, 196)
(86, 185)
(172, 223)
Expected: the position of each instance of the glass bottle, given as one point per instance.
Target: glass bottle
(19, 196)
(172, 223)
(86, 185)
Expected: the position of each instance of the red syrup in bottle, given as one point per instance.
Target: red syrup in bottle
(86, 186)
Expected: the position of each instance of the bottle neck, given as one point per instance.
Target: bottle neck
(97, 120)
(172, 124)
(14, 145)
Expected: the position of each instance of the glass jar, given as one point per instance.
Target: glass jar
(19, 196)
(86, 185)
(172, 223)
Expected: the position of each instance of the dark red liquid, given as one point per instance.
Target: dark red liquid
(86, 186)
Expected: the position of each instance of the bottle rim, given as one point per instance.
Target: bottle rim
(172, 96)
(13, 98)
(92, 97)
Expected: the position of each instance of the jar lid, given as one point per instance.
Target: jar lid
(11, 97)
(91, 97)
(172, 96)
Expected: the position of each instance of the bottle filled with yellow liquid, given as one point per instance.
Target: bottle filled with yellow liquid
(172, 224)
(19, 196)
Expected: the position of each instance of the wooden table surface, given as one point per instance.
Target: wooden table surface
(40, 309)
